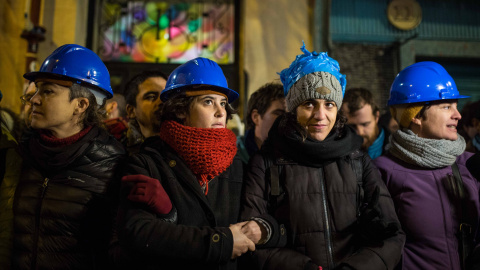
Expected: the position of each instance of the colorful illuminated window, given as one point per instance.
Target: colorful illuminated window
(167, 32)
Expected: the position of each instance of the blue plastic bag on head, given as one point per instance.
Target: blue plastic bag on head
(310, 62)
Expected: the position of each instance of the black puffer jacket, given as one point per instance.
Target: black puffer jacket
(320, 206)
(199, 238)
(64, 204)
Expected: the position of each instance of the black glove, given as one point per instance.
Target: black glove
(372, 228)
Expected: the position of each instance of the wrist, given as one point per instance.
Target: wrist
(266, 232)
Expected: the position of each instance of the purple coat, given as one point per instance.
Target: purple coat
(425, 212)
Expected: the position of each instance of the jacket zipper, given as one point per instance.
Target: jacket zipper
(37, 223)
(326, 219)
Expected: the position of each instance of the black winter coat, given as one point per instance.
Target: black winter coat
(320, 208)
(64, 206)
(200, 237)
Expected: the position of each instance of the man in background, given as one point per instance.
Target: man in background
(264, 106)
(142, 95)
(363, 114)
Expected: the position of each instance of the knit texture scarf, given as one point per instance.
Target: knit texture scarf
(206, 151)
(426, 153)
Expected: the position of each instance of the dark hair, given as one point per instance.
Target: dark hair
(131, 88)
(428, 104)
(290, 124)
(359, 97)
(121, 105)
(261, 100)
(180, 104)
(93, 115)
(470, 111)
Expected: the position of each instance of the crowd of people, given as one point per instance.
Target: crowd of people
(154, 179)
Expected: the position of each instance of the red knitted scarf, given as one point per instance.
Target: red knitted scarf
(206, 151)
(52, 141)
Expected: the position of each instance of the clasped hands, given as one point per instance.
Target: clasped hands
(150, 192)
(245, 236)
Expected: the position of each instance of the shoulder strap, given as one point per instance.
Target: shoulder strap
(465, 244)
(465, 236)
(458, 177)
(357, 167)
(272, 174)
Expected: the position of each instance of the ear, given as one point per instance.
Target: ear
(130, 111)
(81, 105)
(377, 116)
(256, 117)
(417, 121)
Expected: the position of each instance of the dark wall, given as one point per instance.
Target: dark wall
(369, 66)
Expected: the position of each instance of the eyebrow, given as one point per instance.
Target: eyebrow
(44, 84)
(205, 97)
(151, 92)
(278, 111)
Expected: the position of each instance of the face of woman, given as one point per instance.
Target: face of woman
(439, 121)
(318, 117)
(207, 111)
(53, 110)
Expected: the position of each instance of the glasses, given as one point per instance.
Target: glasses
(26, 99)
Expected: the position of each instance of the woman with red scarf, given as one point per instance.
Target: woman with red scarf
(182, 191)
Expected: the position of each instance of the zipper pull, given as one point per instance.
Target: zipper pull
(45, 182)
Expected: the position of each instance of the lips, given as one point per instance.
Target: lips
(318, 126)
(218, 125)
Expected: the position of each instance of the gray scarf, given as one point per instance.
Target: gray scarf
(426, 153)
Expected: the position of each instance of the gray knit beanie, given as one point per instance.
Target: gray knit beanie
(316, 85)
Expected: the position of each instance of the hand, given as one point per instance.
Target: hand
(150, 192)
(241, 243)
(254, 231)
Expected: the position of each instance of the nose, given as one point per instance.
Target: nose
(456, 114)
(360, 130)
(319, 113)
(35, 99)
(220, 111)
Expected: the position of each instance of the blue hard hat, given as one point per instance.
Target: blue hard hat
(75, 63)
(197, 74)
(310, 62)
(422, 82)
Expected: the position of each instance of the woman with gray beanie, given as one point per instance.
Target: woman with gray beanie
(436, 197)
(318, 199)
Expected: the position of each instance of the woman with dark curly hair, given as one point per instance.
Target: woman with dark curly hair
(318, 198)
(181, 192)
